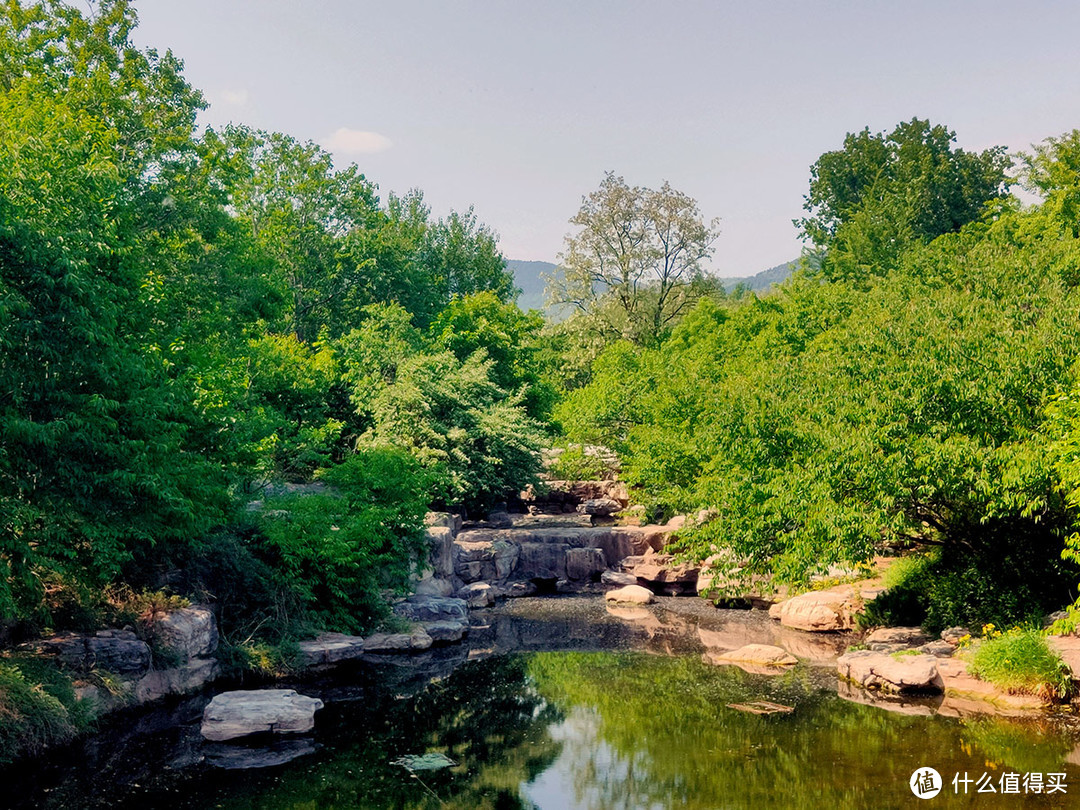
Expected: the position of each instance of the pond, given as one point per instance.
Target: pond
(558, 703)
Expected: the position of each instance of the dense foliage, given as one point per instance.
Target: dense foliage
(835, 418)
(190, 319)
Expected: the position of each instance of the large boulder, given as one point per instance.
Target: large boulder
(818, 611)
(891, 673)
(632, 594)
(585, 563)
(432, 609)
(617, 578)
(249, 711)
(484, 556)
(192, 632)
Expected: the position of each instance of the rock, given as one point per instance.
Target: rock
(500, 520)
(518, 589)
(899, 703)
(434, 586)
(953, 635)
(662, 574)
(444, 519)
(634, 594)
(891, 673)
(1068, 647)
(543, 561)
(190, 631)
(432, 609)
(415, 641)
(818, 611)
(484, 555)
(891, 639)
(118, 651)
(602, 507)
(445, 632)
(617, 578)
(440, 540)
(585, 563)
(966, 695)
(938, 649)
(477, 595)
(330, 648)
(192, 676)
(760, 654)
(237, 714)
(774, 610)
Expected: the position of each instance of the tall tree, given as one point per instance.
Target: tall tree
(635, 267)
(881, 193)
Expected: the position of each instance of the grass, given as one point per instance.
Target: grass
(1021, 662)
(38, 708)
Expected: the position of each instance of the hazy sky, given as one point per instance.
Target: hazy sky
(518, 108)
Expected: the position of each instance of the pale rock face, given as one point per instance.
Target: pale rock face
(237, 714)
(905, 673)
(818, 611)
(445, 632)
(191, 631)
(617, 578)
(416, 641)
(477, 595)
(911, 636)
(633, 594)
(602, 507)
(331, 648)
(432, 609)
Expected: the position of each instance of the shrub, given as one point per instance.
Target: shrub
(337, 551)
(31, 718)
(575, 464)
(1021, 662)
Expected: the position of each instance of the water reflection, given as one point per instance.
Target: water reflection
(608, 724)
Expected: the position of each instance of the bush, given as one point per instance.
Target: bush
(31, 717)
(336, 552)
(1021, 662)
(575, 464)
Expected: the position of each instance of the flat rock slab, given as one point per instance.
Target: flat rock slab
(330, 648)
(250, 711)
(967, 695)
(818, 611)
(417, 641)
(891, 673)
(118, 651)
(633, 594)
(617, 578)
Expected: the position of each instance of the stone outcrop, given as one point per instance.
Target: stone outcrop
(585, 563)
(891, 673)
(632, 594)
(477, 595)
(602, 507)
(446, 632)
(660, 573)
(231, 715)
(192, 632)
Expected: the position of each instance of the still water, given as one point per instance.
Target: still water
(560, 704)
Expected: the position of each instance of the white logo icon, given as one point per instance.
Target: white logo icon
(926, 783)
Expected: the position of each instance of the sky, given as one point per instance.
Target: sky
(519, 108)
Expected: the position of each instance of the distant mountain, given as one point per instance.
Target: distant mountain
(527, 277)
(765, 279)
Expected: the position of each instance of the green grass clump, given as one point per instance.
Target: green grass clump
(1021, 662)
(31, 719)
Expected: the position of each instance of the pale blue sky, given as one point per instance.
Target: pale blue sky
(519, 108)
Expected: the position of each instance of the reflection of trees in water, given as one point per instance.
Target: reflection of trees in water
(485, 716)
(643, 731)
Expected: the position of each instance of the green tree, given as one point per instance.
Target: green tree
(635, 267)
(882, 193)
